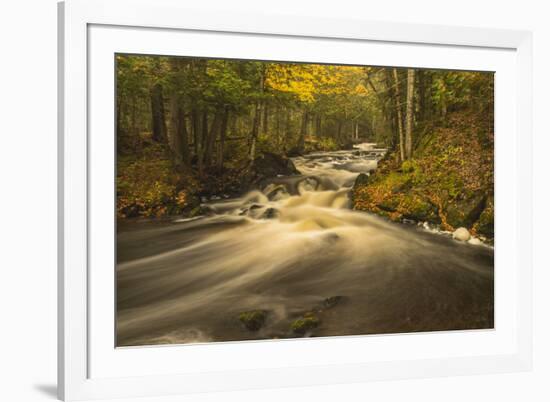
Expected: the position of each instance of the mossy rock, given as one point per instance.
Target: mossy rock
(408, 166)
(486, 225)
(404, 184)
(305, 324)
(270, 213)
(361, 180)
(253, 320)
(419, 210)
(465, 213)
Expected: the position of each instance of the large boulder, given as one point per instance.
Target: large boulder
(485, 224)
(272, 165)
(265, 167)
(465, 212)
(360, 181)
(294, 152)
(419, 209)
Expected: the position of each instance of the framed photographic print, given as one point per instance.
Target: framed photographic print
(264, 201)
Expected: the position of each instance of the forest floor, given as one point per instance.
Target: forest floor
(448, 183)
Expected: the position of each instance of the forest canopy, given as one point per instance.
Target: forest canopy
(198, 106)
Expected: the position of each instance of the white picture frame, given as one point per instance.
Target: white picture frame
(90, 368)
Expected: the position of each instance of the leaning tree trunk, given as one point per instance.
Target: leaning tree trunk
(158, 117)
(410, 110)
(399, 116)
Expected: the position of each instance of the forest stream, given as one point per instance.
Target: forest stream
(295, 249)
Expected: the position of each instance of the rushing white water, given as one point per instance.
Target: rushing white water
(284, 249)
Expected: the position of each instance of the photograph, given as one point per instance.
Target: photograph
(275, 200)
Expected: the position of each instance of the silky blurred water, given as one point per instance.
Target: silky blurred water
(285, 248)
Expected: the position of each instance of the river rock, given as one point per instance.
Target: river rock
(307, 184)
(474, 241)
(303, 325)
(272, 165)
(361, 180)
(270, 213)
(294, 152)
(461, 234)
(465, 212)
(253, 320)
(485, 224)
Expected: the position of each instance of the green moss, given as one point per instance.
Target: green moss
(389, 204)
(408, 166)
(305, 324)
(485, 225)
(253, 320)
(452, 184)
(419, 209)
(465, 212)
(447, 179)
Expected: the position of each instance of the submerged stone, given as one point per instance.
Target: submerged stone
(332, 301)
(305, 324)
(270, 213)
(253, 320)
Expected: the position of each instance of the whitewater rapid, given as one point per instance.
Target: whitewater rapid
(284, 248)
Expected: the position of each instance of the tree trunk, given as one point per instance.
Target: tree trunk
(421, 99)
(212, 137)
(278, 125)
(197, 125)
(303, 129)
(318, 126)
(223, 134)
(202, 142)
(287, 129)
(179, 134)
(265, 120)
(254, 132)
(256, 123)
(399, 116)
(158, 120)
(410, 110)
